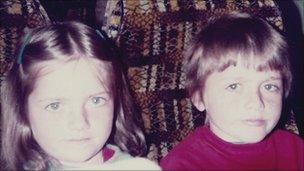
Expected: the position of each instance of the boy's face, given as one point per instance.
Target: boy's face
(243, 105)
(71, 112)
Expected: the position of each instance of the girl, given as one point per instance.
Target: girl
(60, 100)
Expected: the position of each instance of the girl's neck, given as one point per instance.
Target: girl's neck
(96, 160)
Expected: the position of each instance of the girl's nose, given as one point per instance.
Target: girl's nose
(78, 119)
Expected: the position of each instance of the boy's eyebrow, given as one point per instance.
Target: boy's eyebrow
(242, 78)
(225, 78)
(274, 78)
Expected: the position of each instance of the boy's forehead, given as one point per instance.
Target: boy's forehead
(249, 59)
(244, 72)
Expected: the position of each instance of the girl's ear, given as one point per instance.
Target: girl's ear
(198, 101)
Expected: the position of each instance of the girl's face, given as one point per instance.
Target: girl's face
(243, 105)
(71, 111)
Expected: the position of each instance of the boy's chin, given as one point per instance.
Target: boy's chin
(252, 139)
(244, 138)
(250, 136)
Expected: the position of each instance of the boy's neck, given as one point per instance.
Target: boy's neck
(223, 135)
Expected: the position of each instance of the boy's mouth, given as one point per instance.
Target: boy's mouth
(255, 122)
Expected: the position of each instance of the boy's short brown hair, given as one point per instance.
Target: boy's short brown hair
(233, 38)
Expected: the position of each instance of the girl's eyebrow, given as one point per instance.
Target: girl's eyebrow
(43, 99)
(99, 93)
(50, 99)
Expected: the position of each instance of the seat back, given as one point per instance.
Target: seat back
(153, 36)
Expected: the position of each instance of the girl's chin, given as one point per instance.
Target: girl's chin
(81, 160)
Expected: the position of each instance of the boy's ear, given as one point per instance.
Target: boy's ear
(198, 101)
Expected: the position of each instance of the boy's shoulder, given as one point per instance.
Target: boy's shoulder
(193, 138)
(186, 152)
(287, 137)
(192, 142)
(280, 133)
(289, 147)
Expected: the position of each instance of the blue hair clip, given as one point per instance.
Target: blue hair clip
(100, 34)
(24, 43)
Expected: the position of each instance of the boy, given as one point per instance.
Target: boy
(238, 72)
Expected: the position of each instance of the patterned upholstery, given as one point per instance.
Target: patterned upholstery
(153, 35)
(15, 17)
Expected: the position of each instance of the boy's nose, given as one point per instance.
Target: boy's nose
(255, 101)
(78, 119)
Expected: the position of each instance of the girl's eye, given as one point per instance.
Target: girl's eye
(233, 87)
(98, 101)
(271, 87)
(53, 106)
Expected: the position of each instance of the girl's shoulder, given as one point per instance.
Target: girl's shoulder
(115, 154)
(124, 161)
(136, 163)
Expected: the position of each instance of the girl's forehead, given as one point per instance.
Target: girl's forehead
(65, 71)
(79, 78)
(96, 67)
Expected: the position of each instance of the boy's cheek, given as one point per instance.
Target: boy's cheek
(273, 101)
(228, 100)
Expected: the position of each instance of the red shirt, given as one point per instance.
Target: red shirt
(203, 150)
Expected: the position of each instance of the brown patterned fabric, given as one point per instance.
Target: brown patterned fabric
(15, 16)
(72, 10)
(153, 35)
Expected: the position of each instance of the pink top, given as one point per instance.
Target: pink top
(203, 150)
(107, 153)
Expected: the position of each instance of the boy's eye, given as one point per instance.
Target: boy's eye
(53, 106)
(271, 87)
(233, 86)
